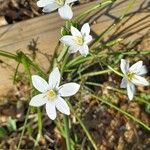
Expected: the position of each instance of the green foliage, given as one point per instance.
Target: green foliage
(3, 133)
(148, 108)
(147, 98)
(78, 68)
(11, 124)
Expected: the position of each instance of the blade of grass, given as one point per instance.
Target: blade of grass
(94, 74)
(84, 128)
(16, 71)
(121, 111)
(66, 123)
(65, 118)
(100, 5)
(115, 23)
(39, 135)
(24, 127)
(61, 128)
(7, 54)
(117, 90)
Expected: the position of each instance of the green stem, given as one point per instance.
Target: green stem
(114, 24)
(39, 121)
(80, 59)
(66, 119)
(135, 52)
(66, 124)
(64, 63)
(100, 5)
(117, 90)
(16, 71)
(84, 128)
(62, 53)
(24, 127)
(8, 55)
(122, 111)
(115, 71)
(93, 74)
(39, 135)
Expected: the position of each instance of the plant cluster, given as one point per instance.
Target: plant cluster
(75, 41)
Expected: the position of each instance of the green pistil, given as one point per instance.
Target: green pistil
(79, 40)
(130, 75)
(51, 94)
(60, 2)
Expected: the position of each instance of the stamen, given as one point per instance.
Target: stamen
(51, 94)
(79, 40)
(130, 75)
(60, 2)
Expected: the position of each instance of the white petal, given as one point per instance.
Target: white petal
(130, 90)
(68, 40)
(65, 12)
(70, 1)
(43, 3)
(51, 7)
(54, 78)
(138, 80)
(142, 71)
(62, 106)
(75, 31)
(39, 83)
(85, 30)
(38, 100)
(69, 89)
(124, 65)
(73, 49)
(51, 110)
(87, 39)
(84, 50)
(124, 83)
(136, 67)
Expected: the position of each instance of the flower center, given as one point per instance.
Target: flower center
(51, 94)
(79, 40)
(60, 2)
(130, 75)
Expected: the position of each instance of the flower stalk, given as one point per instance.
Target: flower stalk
(66, 125)
(39, 135)
(121, 111)
(65, 118)
(23, 130)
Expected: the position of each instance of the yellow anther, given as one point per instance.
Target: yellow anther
(51, 94)
(60, 2)
(79, 40)
(130, 75)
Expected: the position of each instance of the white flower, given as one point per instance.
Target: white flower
(63, 7)
(78, 41)
(133, 76)
(52, 93)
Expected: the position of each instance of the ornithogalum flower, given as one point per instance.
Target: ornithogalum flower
(133, 76)
(79, 40)
(51, 93)
(63, 7)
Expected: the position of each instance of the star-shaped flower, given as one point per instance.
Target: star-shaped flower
(63, 7)
(133, 76)
(52, 93)
(79, 40)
